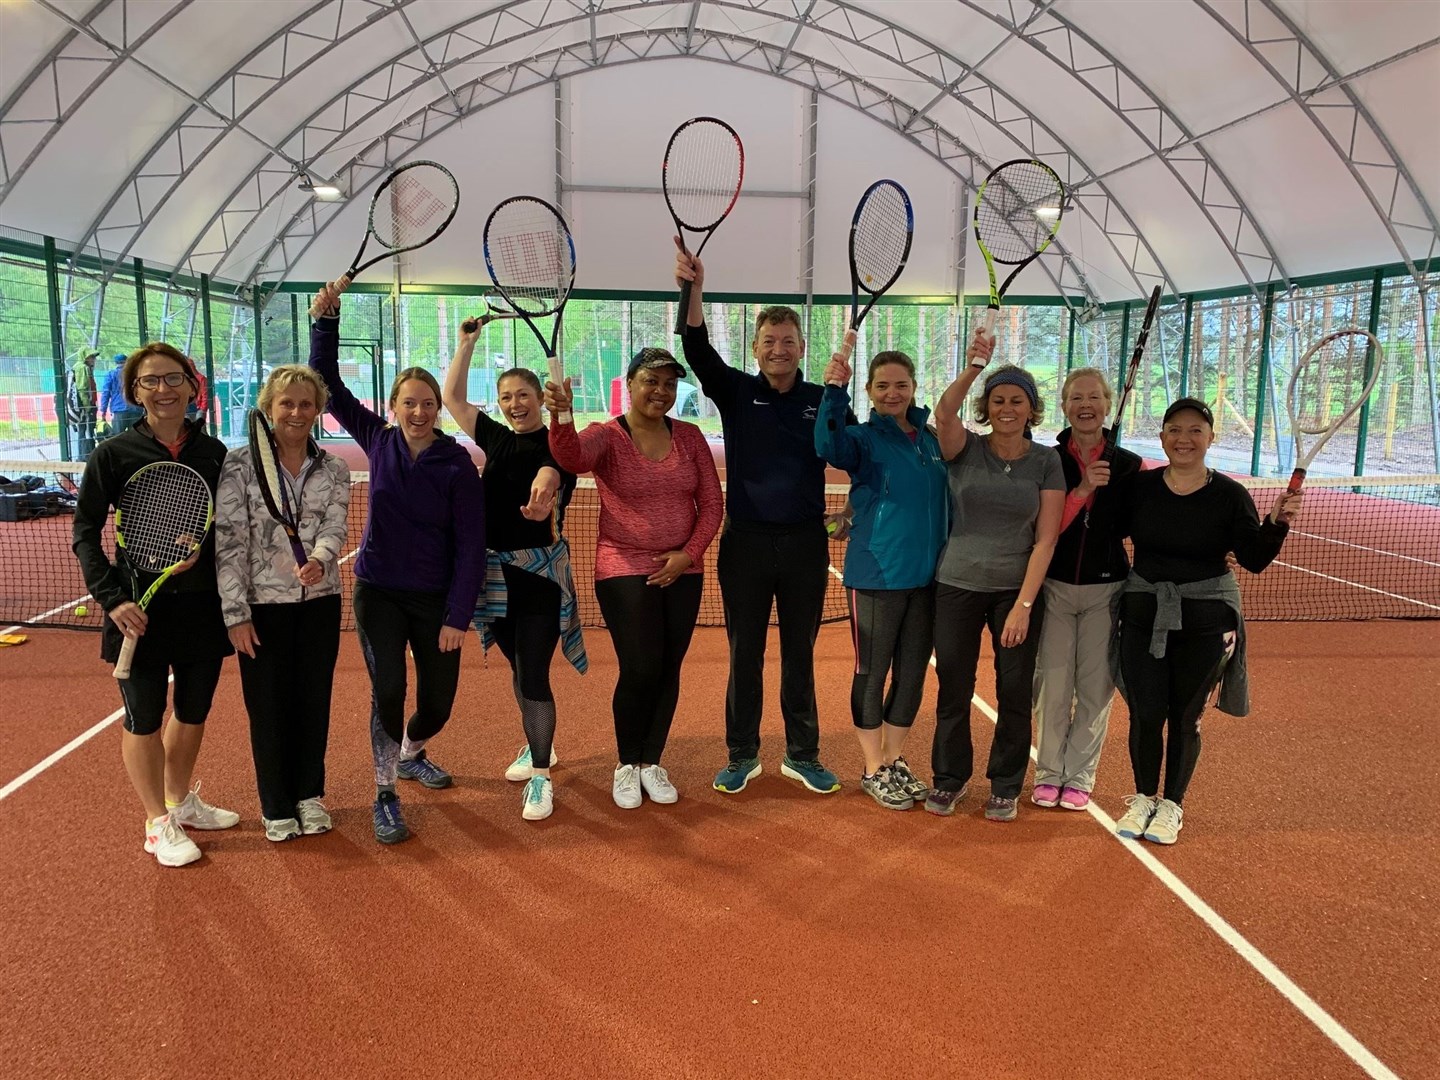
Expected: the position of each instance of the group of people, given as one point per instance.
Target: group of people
(952, 531)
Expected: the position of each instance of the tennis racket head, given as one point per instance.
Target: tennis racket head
(413, 205)
(1018, 210)
(1132, 369)
(1332, 381)
(703, 171)
(880, 236)
(274, 489)
(165, 510)
(530, 255)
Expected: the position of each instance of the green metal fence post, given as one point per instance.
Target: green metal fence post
(1185, 347)
(140, 302)
(209, 353)
(1070, 341)
(57, 344)
(1362, 435)
(294, 328)
(1266, 316)
(1124, 345)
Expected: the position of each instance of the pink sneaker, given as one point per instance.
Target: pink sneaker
(1074, 799)
(1045, 795)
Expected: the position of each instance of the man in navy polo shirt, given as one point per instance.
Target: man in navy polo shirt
(774, 546)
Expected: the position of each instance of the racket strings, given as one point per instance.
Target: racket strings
(413, 206)
(1328, 382)
(703, 169)
(165, 512)
(531, 255)
(880, 236)
(1019, 210)
(275, 487)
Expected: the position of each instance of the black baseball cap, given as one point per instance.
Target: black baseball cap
(650, 359)
(1181, 404)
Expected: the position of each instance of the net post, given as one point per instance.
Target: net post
(210, 354)
(1373, 325)
(1267, 313)
(1185, 347)
(141, 315)
(57, 344)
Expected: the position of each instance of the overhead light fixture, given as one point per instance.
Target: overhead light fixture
(322, 191)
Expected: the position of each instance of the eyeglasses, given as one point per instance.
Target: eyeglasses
(170, 378)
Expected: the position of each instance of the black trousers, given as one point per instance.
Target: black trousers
(287, 694)
(789, 568)
(1170, 693)
(961, 615)
(387, 620)
(650, 628)
(528, 634)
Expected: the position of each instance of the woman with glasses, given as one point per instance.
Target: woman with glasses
(181, 632)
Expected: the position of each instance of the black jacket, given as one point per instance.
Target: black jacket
(1091, 551)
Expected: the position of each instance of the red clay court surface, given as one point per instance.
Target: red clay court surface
(776, 933)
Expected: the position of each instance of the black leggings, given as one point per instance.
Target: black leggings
(1171, 691)
(893, 630)
(287, 694)
(650, 628)
(387, 620)
(527, 636)
(144, 693)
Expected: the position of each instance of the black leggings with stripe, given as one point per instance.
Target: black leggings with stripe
(893, 631)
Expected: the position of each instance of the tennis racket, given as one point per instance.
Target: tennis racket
(704, 168)
(165, 510)
(274, 488)
(1329, 385)
(410, 208)
(1130, 372)
(531, 258)
(493, 311)
(1017, 213)
(880, 236)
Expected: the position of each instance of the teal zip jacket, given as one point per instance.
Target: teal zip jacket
(898, 490)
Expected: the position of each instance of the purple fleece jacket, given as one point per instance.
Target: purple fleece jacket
(425, 530)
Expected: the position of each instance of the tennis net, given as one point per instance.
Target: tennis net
(1364, 548)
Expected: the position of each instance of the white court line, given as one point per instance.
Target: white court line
(1328, 1026)
(74, 744)
(1363, 547)
(1357, 585)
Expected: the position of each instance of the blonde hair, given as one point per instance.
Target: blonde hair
(287, 375)
(413, 373)
(1087, 373)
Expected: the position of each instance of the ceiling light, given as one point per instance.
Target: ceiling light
(323, 191)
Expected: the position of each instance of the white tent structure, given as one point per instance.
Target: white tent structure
(1206, 143)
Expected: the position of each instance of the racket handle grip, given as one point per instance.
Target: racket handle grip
(470, 325)
(127, 654)
(557, 376)
(1297, 479)
(990, 316)
(682, 317)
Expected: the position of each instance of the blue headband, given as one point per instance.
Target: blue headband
(1015, 377)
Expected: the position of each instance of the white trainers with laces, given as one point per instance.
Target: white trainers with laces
(1164, 827)
(1136, 819)
(166, 840)
(194, 812)
(281, 829)
(627, 787)
(523, 767)
(656, 783)
(314, 818)
(539, 801)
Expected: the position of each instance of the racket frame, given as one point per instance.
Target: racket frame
(127, 647)
(1374, 359)
(993, 310)
(355, 264)
(1131, 370)
(557, 370)
(682, 317)
(262, 437)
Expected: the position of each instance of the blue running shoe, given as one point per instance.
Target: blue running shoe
(389, 822)
(734, 776)
(810, 773)
(421, 768)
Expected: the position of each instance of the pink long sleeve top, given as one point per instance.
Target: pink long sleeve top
(646, 507)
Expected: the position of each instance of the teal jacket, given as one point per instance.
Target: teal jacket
(898, 490)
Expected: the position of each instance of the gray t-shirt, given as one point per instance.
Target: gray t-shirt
(993, 507)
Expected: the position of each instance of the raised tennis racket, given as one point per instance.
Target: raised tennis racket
(1017, 212)
(880, 236)
(531, 258)
(1135, 356)
(165, 510)
(493, 311)
(704, 168)
(274, 488)
(1328, 387)
(410, 208)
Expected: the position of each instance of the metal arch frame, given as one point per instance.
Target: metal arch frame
(1309, 56)
(51, 64)
(205, 136)
(372, 161)
(1044, 21)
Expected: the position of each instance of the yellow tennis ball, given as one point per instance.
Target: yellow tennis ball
(82, 610)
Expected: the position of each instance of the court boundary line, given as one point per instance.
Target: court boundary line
(1357, 585)
(1362, 547)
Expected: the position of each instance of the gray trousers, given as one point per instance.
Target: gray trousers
(1073, 686)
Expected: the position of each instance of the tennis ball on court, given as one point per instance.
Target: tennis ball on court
(82, 610)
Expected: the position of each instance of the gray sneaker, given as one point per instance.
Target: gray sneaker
(943, 802)
(911, 784)
(998, 808)
(1135, 820)
(885, 789)
(1164, 827)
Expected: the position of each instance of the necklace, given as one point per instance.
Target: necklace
(1006, 462)
(1173, 485)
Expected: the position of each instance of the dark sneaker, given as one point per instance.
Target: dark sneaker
(885, 790)
(944, 802)
(810, 773)
(734, 776)
(1000, 809)
(911, 784)
(389, 822)
(421, 768)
